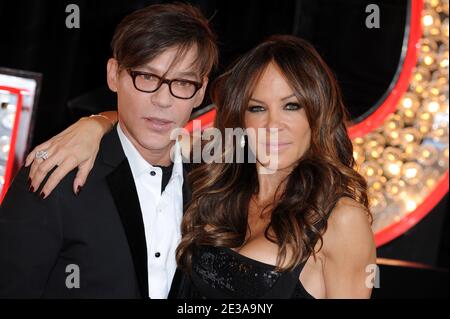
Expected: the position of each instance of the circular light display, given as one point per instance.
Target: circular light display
(404, 157)
(402, 147)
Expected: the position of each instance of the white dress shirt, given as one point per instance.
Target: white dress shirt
(162, 214)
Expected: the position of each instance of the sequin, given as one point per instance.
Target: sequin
(224, 270)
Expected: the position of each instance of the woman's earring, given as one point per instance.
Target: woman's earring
(242, 141)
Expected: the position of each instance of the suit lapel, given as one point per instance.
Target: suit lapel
(123, 190)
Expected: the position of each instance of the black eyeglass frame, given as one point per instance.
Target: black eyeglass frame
(162, 80)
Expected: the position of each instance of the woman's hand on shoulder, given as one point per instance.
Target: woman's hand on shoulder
(76, 146)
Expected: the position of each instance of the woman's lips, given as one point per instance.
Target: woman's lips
(275, 146)
(158, 124)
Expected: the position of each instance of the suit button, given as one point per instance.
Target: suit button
(157, 255)
(152, 173)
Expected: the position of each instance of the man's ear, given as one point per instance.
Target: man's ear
(201, 93)
(112, 74)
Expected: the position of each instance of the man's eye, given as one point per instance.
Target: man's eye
(183, 84)
(255, 108)
(292, 106)
(149, 77)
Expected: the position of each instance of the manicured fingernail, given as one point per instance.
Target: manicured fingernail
(31, 189)
(42, 195)
(78, 190)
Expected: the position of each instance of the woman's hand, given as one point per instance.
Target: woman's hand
(76, 146)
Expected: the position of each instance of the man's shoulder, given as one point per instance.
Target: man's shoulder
(111, 151)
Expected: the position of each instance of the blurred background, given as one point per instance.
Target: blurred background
(394, 79)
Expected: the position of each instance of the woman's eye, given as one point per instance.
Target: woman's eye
(292, 106)
(255, 108)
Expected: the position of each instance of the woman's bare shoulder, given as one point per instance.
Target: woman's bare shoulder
(348, 226)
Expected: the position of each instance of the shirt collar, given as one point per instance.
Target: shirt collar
(139, 165)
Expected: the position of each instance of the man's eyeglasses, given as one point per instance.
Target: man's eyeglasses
(149, 83)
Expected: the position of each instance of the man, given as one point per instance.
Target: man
(117, 238)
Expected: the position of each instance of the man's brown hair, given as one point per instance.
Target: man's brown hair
(146, 33)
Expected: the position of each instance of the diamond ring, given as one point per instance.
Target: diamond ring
(42, 154)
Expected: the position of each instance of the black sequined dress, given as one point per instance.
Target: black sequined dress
(221, 273)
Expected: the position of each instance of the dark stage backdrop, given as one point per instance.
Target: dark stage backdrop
(73, 61)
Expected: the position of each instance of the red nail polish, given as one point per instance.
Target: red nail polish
(42, 195)
(31, 189)
(78, 190)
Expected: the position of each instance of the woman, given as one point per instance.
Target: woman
(300, 231)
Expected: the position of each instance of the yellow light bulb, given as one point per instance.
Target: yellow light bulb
(407, 103)
(394, 168)
(428, 60)
(427, 20)
(358, 141)
(428, 155)
(432, 106)
(410, 205)
(394, 188)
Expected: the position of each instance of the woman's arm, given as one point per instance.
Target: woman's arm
(349, 250)
(76, 146)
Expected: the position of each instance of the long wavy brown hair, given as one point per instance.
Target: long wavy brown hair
(217, 214)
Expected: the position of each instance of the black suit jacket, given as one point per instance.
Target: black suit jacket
(101, 231)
